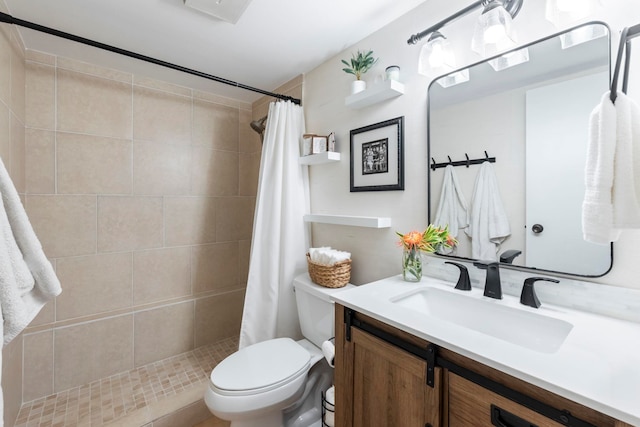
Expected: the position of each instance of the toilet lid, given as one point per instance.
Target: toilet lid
(260, 365)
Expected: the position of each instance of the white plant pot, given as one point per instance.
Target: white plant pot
(358, 86)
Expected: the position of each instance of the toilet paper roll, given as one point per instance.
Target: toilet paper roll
(329, 415)
(329, 351)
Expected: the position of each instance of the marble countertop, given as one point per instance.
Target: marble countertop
(597, 365)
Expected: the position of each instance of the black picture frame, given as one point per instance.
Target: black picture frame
(377, 156)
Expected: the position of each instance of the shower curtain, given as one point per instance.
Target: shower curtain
(280, 236)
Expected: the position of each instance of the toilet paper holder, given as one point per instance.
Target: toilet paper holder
(328, 411)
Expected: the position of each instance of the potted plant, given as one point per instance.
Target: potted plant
(360, 63)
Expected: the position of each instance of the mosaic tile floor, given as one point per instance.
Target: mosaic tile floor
(108, 399)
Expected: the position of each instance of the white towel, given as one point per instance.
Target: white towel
(489, 225)
(27, 279)
(452, 209)
(612, 172)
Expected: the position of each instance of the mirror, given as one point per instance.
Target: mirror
(533, 118)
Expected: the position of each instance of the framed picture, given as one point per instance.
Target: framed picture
(377, 158)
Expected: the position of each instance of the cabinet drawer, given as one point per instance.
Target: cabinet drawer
(473, 405)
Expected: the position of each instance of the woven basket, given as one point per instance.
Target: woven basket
(330, 276)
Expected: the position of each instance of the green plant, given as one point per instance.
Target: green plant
(360, 63)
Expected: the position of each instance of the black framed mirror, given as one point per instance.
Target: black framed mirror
(533, 119)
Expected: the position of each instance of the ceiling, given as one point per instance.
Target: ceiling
(271, 43)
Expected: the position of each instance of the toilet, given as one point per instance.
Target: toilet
(277, 382)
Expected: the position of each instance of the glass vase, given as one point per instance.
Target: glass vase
(411, 264)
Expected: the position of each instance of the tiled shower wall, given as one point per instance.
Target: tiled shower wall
(12, 152)
(142, 194)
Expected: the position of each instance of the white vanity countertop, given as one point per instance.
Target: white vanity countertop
(598, 365)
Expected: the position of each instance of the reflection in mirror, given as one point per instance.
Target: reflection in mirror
(534, 119)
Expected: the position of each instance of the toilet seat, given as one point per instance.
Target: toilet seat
(260, 367)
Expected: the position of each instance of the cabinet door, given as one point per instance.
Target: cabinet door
(390, 386)
(473, 405)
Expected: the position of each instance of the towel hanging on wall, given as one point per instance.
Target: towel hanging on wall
(612, 172)
(452, 209)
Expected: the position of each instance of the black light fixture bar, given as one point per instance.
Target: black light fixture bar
(511, 6)
(36, 27)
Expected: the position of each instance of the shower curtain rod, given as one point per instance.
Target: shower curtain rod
(16, 21)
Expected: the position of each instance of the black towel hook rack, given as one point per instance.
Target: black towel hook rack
(624, 50)
(468, 162)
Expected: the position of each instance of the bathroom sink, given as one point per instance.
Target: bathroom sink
(495, 318)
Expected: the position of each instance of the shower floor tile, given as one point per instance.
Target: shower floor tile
(109, 399)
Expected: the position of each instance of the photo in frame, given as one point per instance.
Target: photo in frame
(377, 156)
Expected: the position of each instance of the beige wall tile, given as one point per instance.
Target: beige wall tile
(94, 284)
(189, 220)
(248, 139)
(65, 225)
(92, 350)
(161, 168)
(214, 266)
(95, 70)
(215, 125)
(129, 223)
(160, 85)
(40, 95)
(161, 274)
(17, 79)
(40, 159)
(17, 154)
(214, 172)
(248, 172)
(46, 315)
(12, 379)
(163, 332)
(218, 317)
(5, 67)
(5, 137)
(38, 358)
(244, 256)
(161, 116)
(234, 218)
(93, 164)
(41, 57)
(93, 105)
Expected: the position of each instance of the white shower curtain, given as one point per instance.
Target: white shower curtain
(280, 236)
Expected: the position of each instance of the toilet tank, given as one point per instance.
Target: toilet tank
(315, 309)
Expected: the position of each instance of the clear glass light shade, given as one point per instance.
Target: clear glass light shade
(565, 12)
(436, 57)
(510, 59)
(493, 32)
(454, 79)
(582, 35)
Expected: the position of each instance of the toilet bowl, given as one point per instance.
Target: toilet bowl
(277, 382)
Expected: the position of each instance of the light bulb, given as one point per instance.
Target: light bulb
(494, 33)
(437, 57)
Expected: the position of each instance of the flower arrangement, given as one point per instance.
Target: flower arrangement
(415, 242)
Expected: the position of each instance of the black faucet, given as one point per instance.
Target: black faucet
(508, 256)
(464, 284)
(528, 296)
(492, 287)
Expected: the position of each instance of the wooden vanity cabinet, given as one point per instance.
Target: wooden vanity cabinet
(378, 383)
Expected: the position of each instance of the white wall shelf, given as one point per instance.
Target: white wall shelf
(377, 93)
(320, 158)
(354, 221)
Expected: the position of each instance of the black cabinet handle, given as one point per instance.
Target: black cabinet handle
(502, 418)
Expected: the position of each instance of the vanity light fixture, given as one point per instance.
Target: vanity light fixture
(436, 56)
(565, 12)
(582, 34)
(494, 30)
(492, 36)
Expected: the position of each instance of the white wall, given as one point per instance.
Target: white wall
(375, 253)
